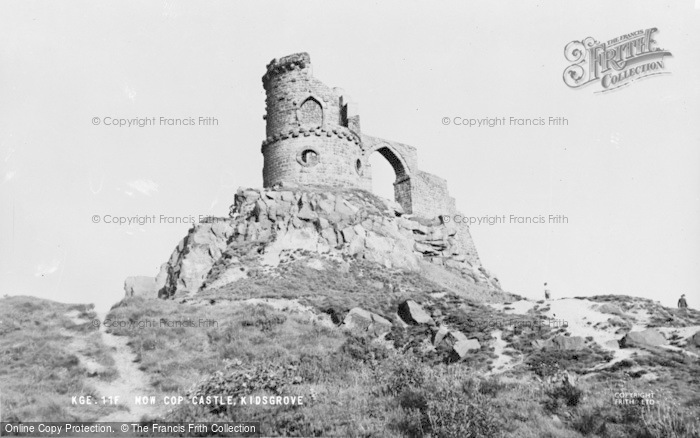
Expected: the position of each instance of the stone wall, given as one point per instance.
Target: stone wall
(430, 196)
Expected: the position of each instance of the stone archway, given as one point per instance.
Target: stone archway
(402, 184)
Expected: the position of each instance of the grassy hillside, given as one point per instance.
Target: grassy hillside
(273, 334)
(43, 353)
(277, 333)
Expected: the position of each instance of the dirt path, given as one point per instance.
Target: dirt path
(130, 381)
(504, 362)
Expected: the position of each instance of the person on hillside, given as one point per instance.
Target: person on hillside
(682, 303)
(547, 292)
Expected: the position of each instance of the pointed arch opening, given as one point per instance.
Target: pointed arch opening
(390, 177)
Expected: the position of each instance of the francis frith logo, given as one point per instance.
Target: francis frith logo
(615, 63)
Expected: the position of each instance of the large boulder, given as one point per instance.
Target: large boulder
(439, 335)
(611, 344)
(361, 320)
(455, 336)
(140, 286)
(446, 340)
(412, 313)
(461, 348)
(647, 338)
(609, 308)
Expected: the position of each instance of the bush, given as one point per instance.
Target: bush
(239, 381)
(590, 421)
(569, 394)
(361, 348)
(441, 401)
(404, 372)
(263, 318)
(455, 413)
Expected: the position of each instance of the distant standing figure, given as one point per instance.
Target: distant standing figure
(682, 304)
(547, 292)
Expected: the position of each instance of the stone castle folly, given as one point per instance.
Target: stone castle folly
(315, 204)
(314, 138)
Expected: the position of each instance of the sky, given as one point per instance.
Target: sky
(625, 171)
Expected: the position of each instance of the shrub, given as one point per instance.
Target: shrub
(239, 381)
(404, 372)
(567, 393)
(455, 413)
(263, 318)
(590, 421)
(362, 349)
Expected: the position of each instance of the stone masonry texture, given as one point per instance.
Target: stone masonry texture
(313, 137)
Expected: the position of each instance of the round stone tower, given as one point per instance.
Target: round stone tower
(313, 134)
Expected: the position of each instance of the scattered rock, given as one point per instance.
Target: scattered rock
(462, 347)
(647, 338)
(364, 321)
(612, 344)
(412, 313)
(455, 336)
(616, 321)
(609, 308)
(439, 335)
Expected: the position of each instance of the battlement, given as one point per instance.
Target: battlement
(296, 61)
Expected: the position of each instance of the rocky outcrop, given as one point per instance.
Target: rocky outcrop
(646, 338)
(353, 223)
(194, 257)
